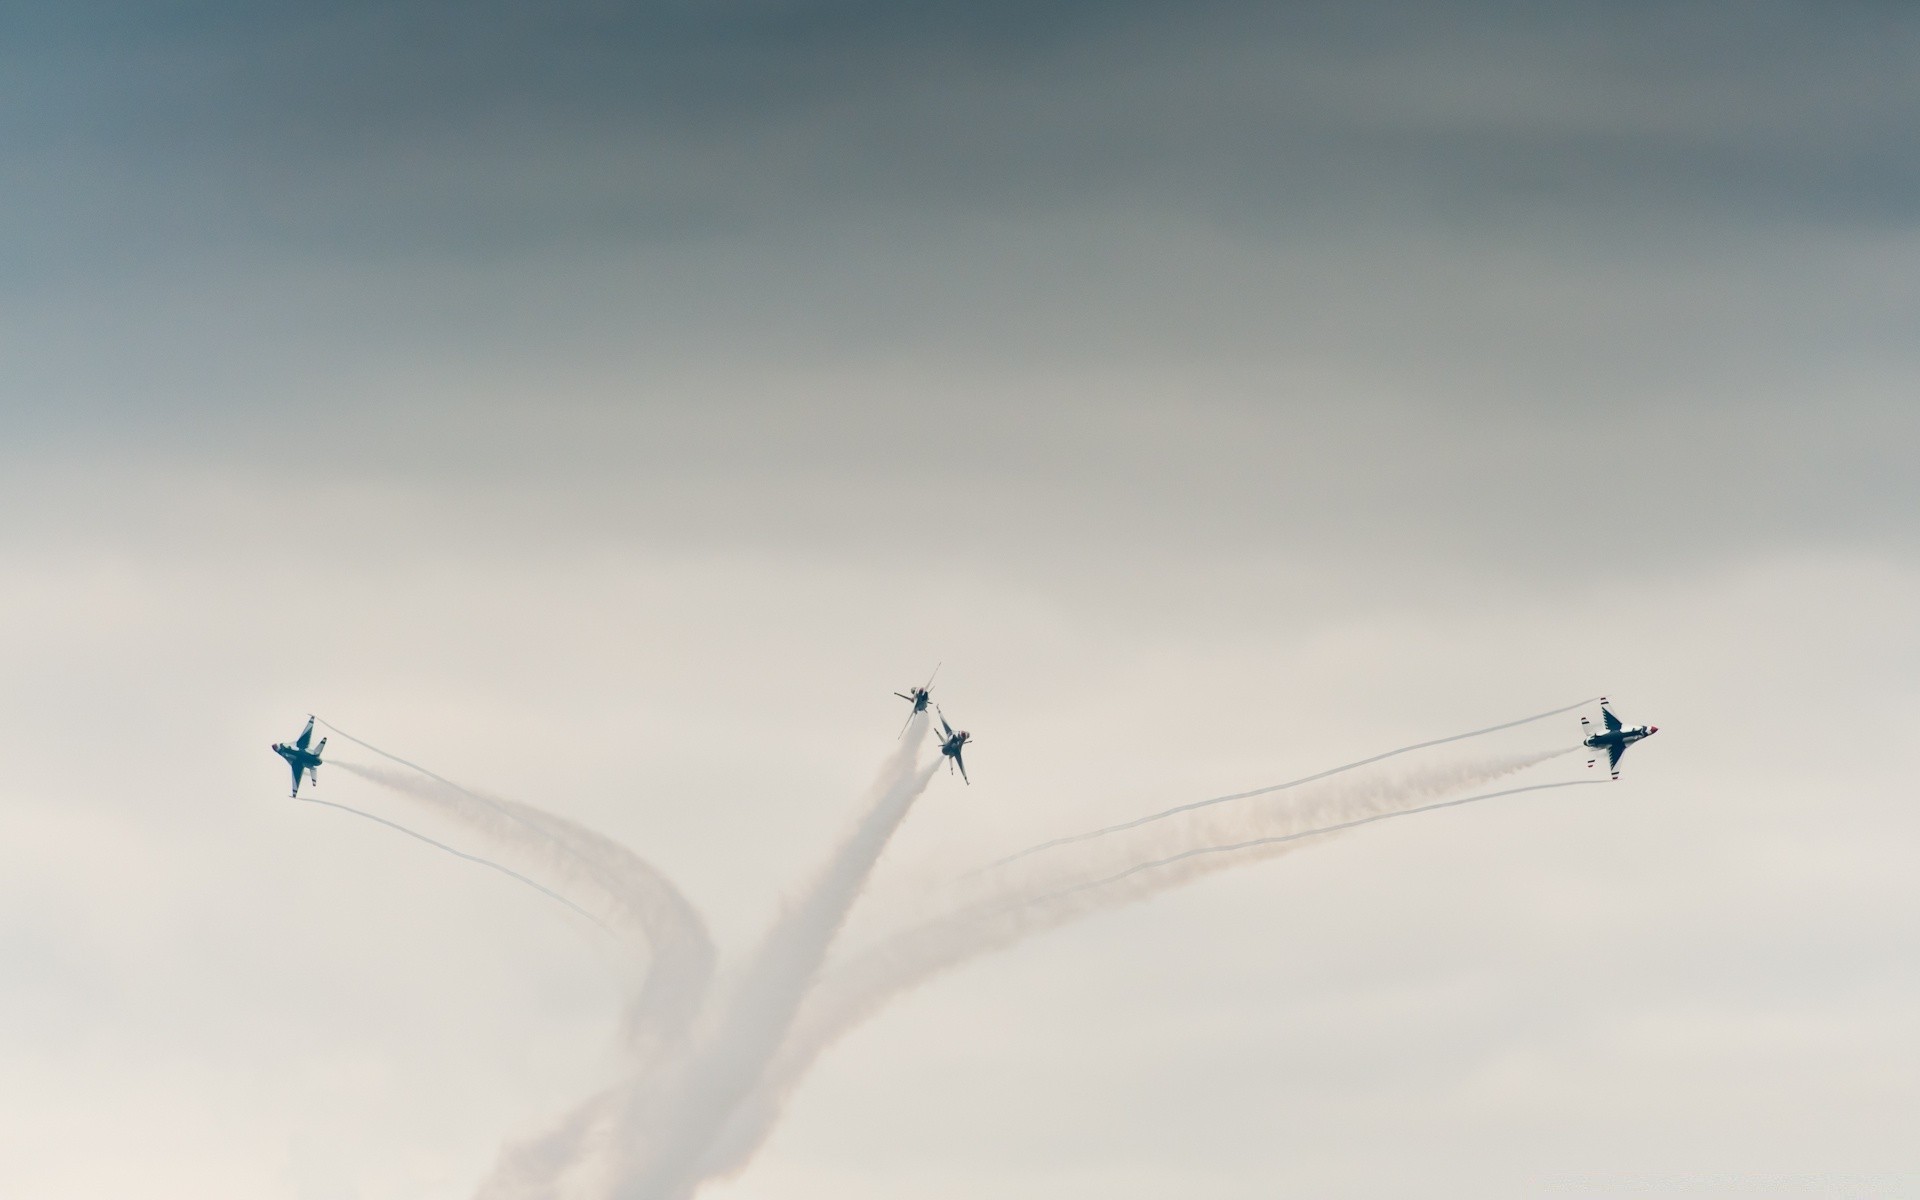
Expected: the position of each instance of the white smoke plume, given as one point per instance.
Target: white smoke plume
(596, 872)
(1271, 788)
(647, 1136)
(749, 1028)
(711, 1067)
(1026, 895)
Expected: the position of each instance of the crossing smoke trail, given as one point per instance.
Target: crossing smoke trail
(709, 1069)
(668, 1127)
(642, 903)
(854, 991)
(653, 1129)
(644, 1138)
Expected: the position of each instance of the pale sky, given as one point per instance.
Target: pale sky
(608, 406)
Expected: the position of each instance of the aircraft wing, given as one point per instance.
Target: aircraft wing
(1612, 722)
(962, 764)
(296, 776)
(1614, 752)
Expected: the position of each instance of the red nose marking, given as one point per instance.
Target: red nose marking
(1653, 729)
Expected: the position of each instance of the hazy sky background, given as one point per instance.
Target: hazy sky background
(610, 405)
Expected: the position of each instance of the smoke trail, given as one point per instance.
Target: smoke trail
(1322, 802)
(548, 1166)
(1322, 831)
(505, 808)
(715, 1072)
(673, 928)
(1281, 787)
(657, 1016)
(472, 858)
(640, 899)
(852, 992)
(667, 1128)
(1103, 874)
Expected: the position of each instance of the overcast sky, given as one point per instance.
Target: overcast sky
(609, 405)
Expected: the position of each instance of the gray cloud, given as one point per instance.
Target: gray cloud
(455, 131)
(609, 404)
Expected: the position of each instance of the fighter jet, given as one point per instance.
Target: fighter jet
(301, 759)
(918, 698)
(1614, 737)
(952, 741)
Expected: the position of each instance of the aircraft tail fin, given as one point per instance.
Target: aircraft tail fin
(321, 748)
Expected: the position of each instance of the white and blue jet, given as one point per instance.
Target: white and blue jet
(1613, 737)
(305, 762)
(952, 742)
(918, 697)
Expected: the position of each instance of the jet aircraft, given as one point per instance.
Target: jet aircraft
(918, 698)
(1614, 737)
(301, 759)
(953, 741)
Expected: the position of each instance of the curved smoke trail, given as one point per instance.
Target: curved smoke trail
(1281, 787)
(719, 1069)
(1322, 831)
(505, 808)
(472, 858)
(854, 991)
(673, 929)
(639, 898)
(657, 1016)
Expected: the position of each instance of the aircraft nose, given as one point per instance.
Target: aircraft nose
(1653, 729)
